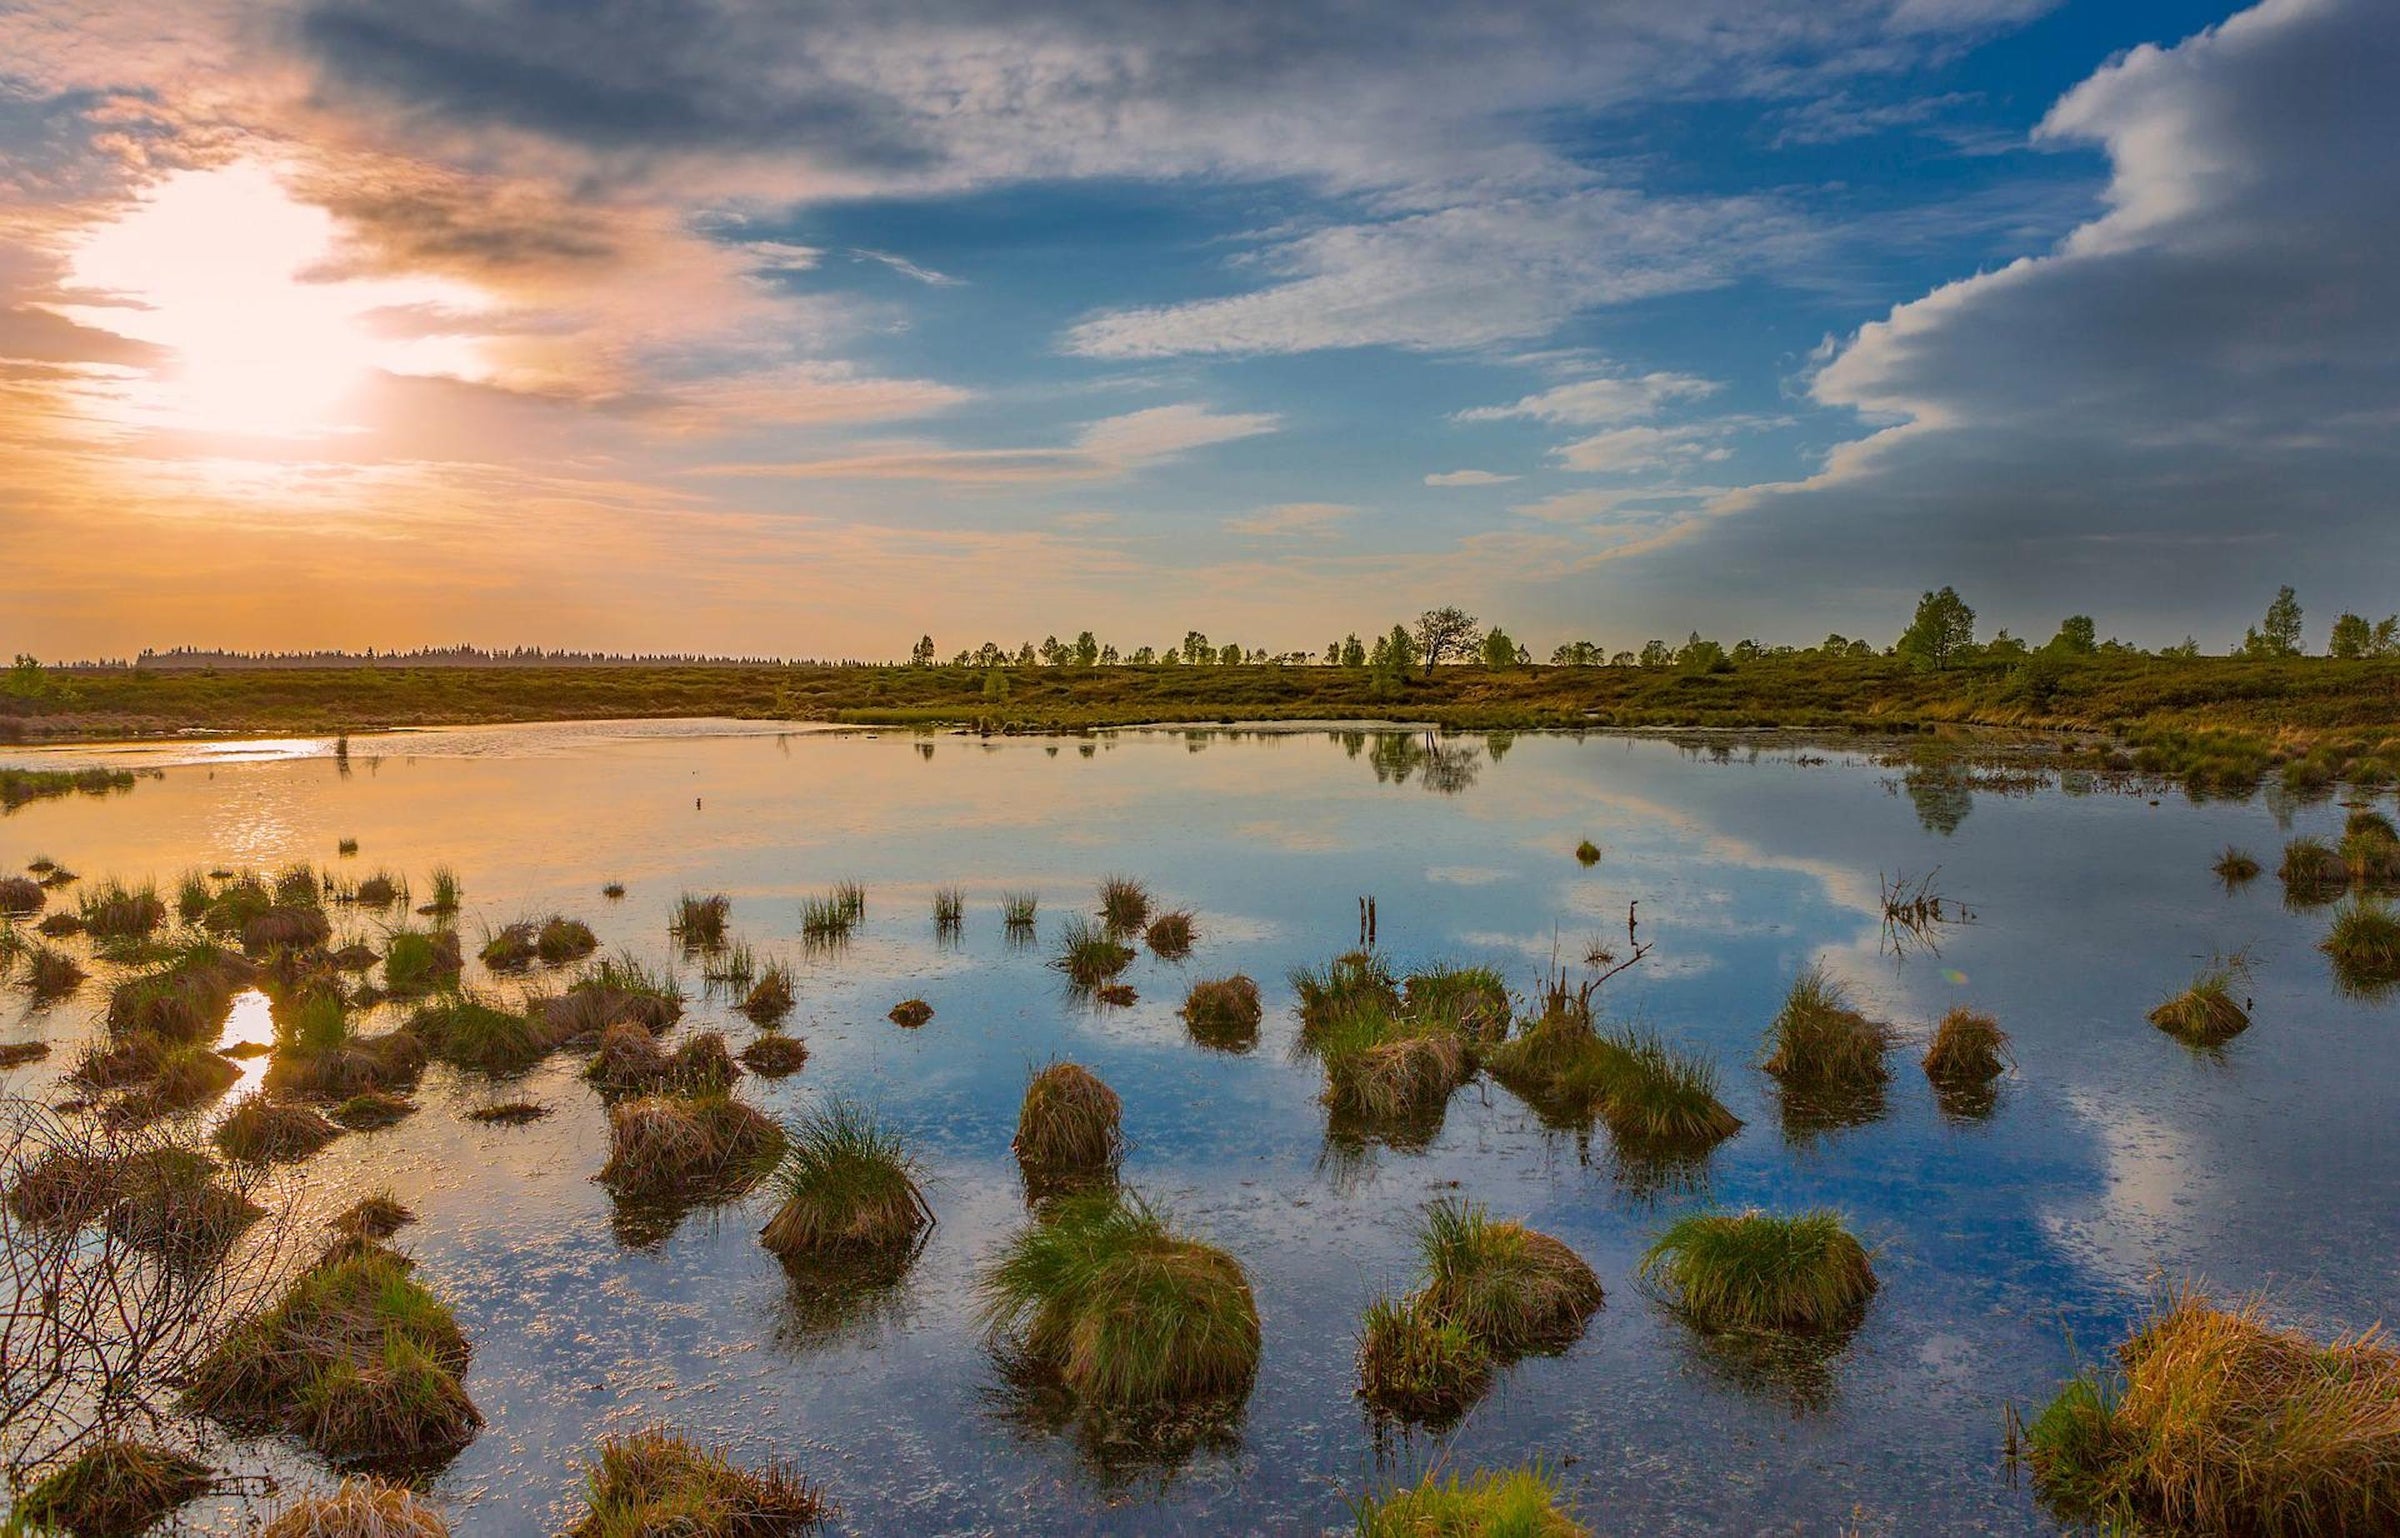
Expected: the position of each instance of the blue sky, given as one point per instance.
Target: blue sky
(805, 329)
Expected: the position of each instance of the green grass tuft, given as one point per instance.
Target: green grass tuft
(1124, 905)
(1755, 1271)
(2206, 1014)
(1088, 954)
(654, 1483)
(849, 1189)
(1506, 1503)
(1516, 1291)
(1416, 1367)
(113, 1489)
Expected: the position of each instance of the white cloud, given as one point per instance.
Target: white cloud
(1468, 478)
(1598, 402)
(908, 269)
(1102, 450)
(1292, 518)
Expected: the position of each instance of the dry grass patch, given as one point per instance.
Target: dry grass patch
(114, 1489)
(20, 895)
(688, 1148)
(1223, 1013)
(264, 1130)
(775, 1056)
(361, 1508)
(911, 1013)
(654, 1483)
(1171, 935)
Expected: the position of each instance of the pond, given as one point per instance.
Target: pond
(2011, 1246)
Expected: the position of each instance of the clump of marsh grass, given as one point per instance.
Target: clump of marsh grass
(184, 1078)
(16, 1054)
(265, 1130)
(1223, 1013)
(1818, 1040)
(381, 890)
(631, 1062)
(1088, 954)
(732, 965)
(1124, 905)
(611, 989)
(655, 1482)
(299, 886)
(1516, 1291)
(59, 926)
(193, 895)
(826, 920)
(2236, 866)
(417, 962)
(186, 998)
(51, 973)
(371, 1110)
(377, 1216)
(1471, 1000)
(2312, 871)
(346, 847)
(949, 909)
(359, 1360)
(20, 896)
(510, 1113)
(852, 896)
(1968, 1054)
(910, 1013)
(1587, 854)
(1416, 1367)
(1503, 1503)
(850, 1190)
(1350, 981)
(771, 997)
(113, 911)
(1756, 1271)
(318, 1051)
(699, 1148)
(113, 1489)
(2223, 1425)
(2364, 943)
(446, 895)
(698, 920)
(1170, 935)
(1070, 1130)
(1115, 995)
(613, 891)
(554, 942)
(1017, 911)
(775, 1055)
(2372, 856)
(1103, 1296)
(1389, 1073)
(362, 1507)
(1659, 1102)
(467, 1030)
(2206, 1014)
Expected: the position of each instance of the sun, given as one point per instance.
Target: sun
(222, 269)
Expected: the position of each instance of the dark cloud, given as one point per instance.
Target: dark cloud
(29, 335)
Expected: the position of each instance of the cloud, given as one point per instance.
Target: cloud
(908, 269)
(1104, 450)
(1292, 518)
(1468, 478)
(1600, 401)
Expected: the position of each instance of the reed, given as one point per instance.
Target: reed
(1757, 1271)
(849, 1189)
(826, 920)
(655, 1482)
(698, 920)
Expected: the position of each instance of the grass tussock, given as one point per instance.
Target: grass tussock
(1223, 1013)
(949, 908)
(631, 1062)
(1489, 1503)
(381, 890)
(1017, 910)
(1417, 1367)
(1124, 905)
(467, 1030)
(59, 926)
(1070, 1128)
(113, 911)
(698, 920)
(850, 1189)
(186, 999)
(1346, 983)
(2312, 871)
(51, 973)
(186, 1078)
(771, 997)
(1587, 854)
(320, 1052)
(371, 1111)
(1658, 1101)
(1819, 1041)
(697, 1148)
(265, 1130)
(114, 1489)
(2206, 1014)
(361, 1508)
(446, 895)
(730, 965)
(2364, 942)
(2226, 1427)
(417, 962)
(554, 942)
(614, 989)
(21, 895)
(1387, 1071)
(16, 1054)
(1101, 1293)
(1757, 1271)
(375, 1217)
(827, 920)
(510, 1113)
(654, 1483)
(359, 1359)
(1171, 935)
(775, 1056)
(1968, 1053)
(1516, 1291)
(1089, 955)
(1472, 1001)
(2236, 866)
(614, 891)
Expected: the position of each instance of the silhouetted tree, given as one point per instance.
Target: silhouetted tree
(1943, 628)
(1444, 632)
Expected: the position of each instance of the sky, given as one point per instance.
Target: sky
(806, 328)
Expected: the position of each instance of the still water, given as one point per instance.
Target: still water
(2010, 1247)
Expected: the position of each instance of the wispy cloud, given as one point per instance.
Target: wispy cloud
(1468, 478)
(1290, 518)
(1104, 450)
(908, 269)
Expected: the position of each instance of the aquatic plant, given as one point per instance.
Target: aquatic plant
(470, 1031)
(1819, 1041)
(771, 997)
(193, 895)
(345, 847)
(1383, 1069)
(1124, 904)
(173, 1202)
(630, 1061)
(446, 895)
(614, 988)
(20, 896)
(1587, 854)
(16, 1054)
(1505, 1503)
(187, 998)
(112, 1489)
(299, 886)
(2235, 866)
(359, 1360)
(416, 962)
(1088, 955)
(826, 920)
(1017, 909)
(318, 1051)
(362, 1507)
(2364, 942)
(380, 890)
(51, 973)
(370, 1110)
(1223, 1013)
(2312, 871)
(1100, 1293)
(2205, 1014)
(1415, 1366)
(849, 1187)
(378, 1215)
(2372, 858)
(1070, 1128)
(1658, 1099)
(1968, 1049)
(1170, 935)
(264, 1130)
(613, 890)
(113, 911)
(1513, 1289)
(699, 1148)
(852, 896)
(2223, 1425)
(910, 1013)
(1358, 978)
(1470, 1000)
(184, 1077)
(1757, 1271)
(656, 1483)
(949, 907)
(2366, 822)
(774, 1055)
(698, 920)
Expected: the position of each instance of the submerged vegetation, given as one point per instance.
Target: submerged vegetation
(2223, 1425)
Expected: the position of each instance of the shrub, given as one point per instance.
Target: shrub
(1124, 905)
(359, 1360)
(1414, 1366)
(1223, 1013)
(1511, 1503)
(361, 1508)
(1069, 1128)
(1753, 1271)
(1104, 1295)
(656, 1483)
(703, 1148)
(1513, 1289)
(849, 1189)
(1087, 954)
(113, 1489)
(2205, 1014)
(2225, 1426)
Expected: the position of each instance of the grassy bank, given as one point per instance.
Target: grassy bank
(2282, 707)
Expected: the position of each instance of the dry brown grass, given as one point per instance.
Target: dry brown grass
(775, 1056)
(1070, 1125)
(264, 1130)
(631, 1062)
(377, 1216)
(114, 1489)
(1223, 1013)
(655, 1484)
(361, 1508)
(698, 1148)
(1171, 935)
(911, 1013)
